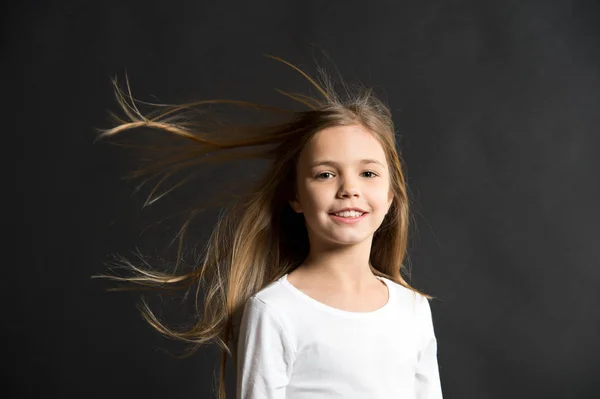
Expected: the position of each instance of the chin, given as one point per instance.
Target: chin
(351, 238)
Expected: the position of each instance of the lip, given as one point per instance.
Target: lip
(350, 209)
(348, 220)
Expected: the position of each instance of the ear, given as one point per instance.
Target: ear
(296, 206)
(390, 199)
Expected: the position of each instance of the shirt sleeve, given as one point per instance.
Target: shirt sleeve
(428, 384)
(265, 356)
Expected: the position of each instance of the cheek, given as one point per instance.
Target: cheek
(315, 202)
(315, 196)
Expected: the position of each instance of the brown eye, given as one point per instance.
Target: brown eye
(319, 176)
(373, 173)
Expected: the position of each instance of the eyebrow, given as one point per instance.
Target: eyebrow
(336, 164)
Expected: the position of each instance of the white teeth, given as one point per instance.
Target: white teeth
(352, 214)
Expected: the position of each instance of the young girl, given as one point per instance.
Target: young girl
(301, 279)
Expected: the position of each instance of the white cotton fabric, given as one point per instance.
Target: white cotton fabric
(293, 346)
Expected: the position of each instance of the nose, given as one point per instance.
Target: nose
(348, 188)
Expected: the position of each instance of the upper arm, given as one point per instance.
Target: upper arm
(265, 355)
(427, 374)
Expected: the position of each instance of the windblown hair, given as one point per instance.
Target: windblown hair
(260, 238)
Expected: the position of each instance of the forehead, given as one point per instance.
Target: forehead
(342, 144)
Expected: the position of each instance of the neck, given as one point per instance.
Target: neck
(345, 266)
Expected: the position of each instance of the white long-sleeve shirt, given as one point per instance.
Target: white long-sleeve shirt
(293, 346)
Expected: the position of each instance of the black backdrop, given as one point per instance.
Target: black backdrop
(497, 106)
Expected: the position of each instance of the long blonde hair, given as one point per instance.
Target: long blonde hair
(260, 238)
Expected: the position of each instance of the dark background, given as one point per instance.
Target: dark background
(497, 104)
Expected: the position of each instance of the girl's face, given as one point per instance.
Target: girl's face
(342, 167)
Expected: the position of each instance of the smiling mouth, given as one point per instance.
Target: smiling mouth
(349, 217)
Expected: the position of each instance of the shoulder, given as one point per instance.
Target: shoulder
(414, 305)
(274, 295)
(270, 303)
(258, 313)
(264, 316)
(408, 296)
